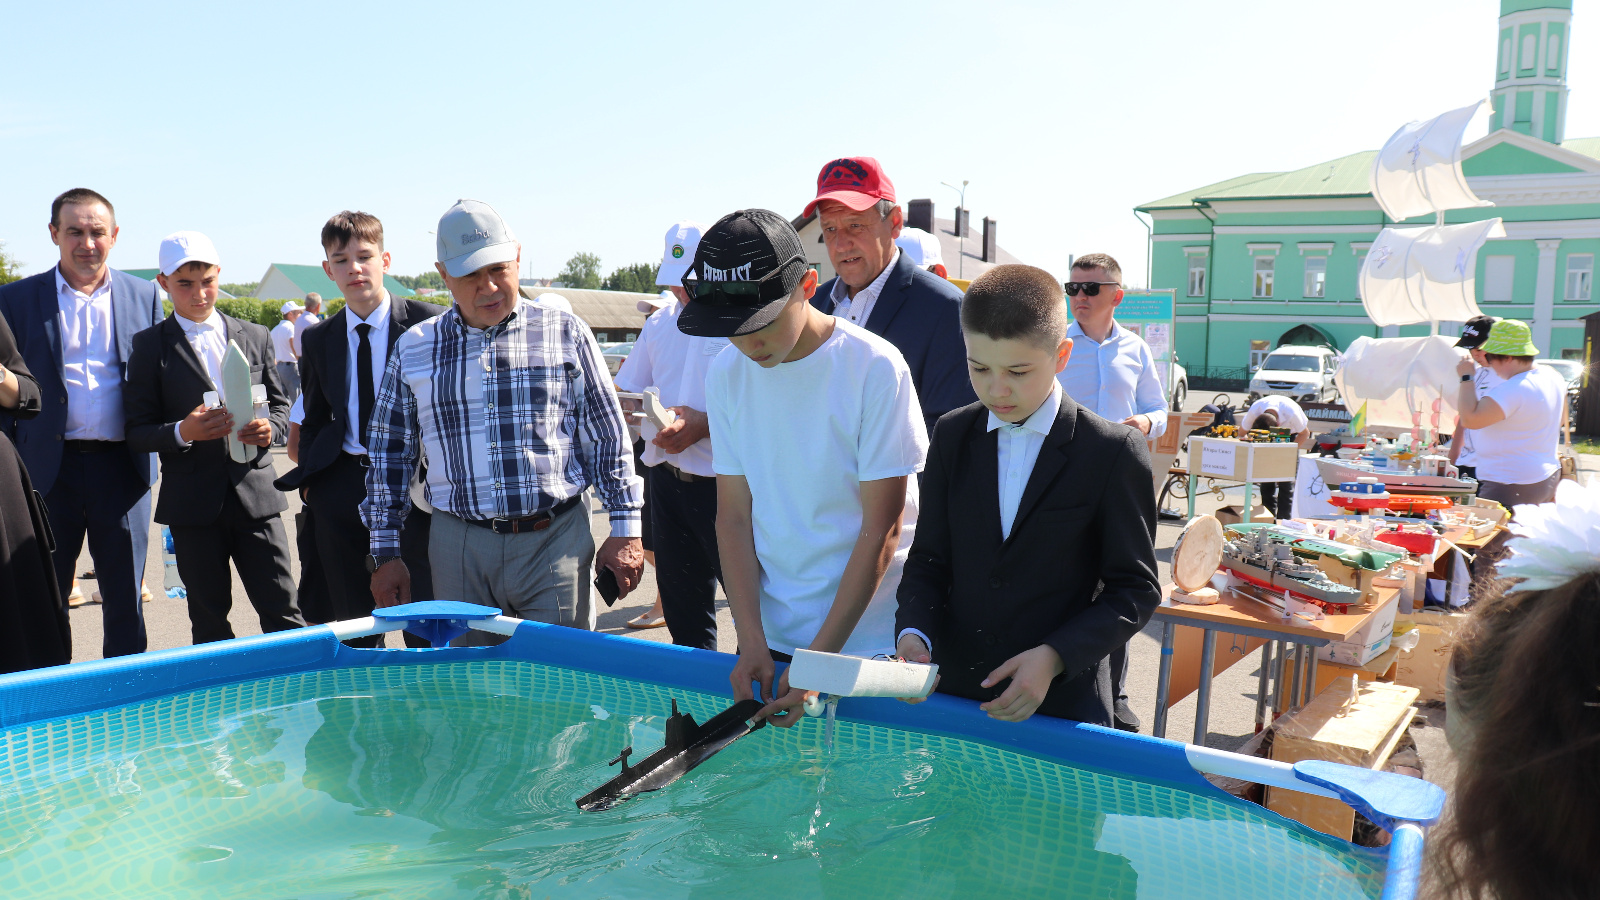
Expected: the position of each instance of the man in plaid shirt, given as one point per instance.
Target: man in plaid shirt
(512, 406)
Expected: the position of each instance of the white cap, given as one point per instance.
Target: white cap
(649, 305)
(922, 247)
(290, 307)
(554, 301)
(182, 247)
(472, 235)
(682, 239)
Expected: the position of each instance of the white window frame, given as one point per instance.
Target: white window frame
(1261, 279)
(1319, 289)
(1552, 52)
(1530, 53)
(1491, 292)
(1197, 264)
(1505, 56)
(1580, 280)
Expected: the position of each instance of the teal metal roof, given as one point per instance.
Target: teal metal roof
(1187, 198)
(146, 274)
(1347, 176)
(1589, 146)
(312, 279)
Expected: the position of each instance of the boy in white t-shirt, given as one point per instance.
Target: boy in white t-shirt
(819, 436)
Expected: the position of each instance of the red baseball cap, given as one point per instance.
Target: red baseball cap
(856, 181)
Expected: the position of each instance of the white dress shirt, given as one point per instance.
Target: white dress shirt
(676, 363)
(378, 340)
(306, 320)
(857, 309)
(209, 340)
(1115, 379)
(90, 364)
(1018, 446)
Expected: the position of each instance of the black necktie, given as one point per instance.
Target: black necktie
(364, 393)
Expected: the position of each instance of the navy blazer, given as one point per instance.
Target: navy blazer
(1078, 571)
(31, 308)
(920, 314)
(166, 381)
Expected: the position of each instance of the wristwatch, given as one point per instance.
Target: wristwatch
(374, 563)
(1466, 378)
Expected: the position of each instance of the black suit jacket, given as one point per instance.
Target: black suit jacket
(1078, 571)
(920, 314)
(166, 381)
(324, 368)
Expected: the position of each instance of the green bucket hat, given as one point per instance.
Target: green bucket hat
(1510, 337)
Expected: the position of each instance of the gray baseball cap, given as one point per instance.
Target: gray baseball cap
(472, 235)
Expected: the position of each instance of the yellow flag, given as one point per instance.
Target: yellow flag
(1358, 423)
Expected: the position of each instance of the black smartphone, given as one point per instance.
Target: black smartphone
(606, 584)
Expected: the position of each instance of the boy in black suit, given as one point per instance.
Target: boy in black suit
(217, 509)
(1035, 548)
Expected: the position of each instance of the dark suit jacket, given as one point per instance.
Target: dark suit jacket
(30, 306)
(166, 381)
(324, 368)
(1078, 571)
(920, 314)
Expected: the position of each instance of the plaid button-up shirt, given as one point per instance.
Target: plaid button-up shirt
(514, 418)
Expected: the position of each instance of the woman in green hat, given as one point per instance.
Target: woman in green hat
(1516, 425)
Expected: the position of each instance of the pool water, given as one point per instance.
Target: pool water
(458, 780)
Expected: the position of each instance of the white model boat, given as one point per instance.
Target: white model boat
(1339, 471)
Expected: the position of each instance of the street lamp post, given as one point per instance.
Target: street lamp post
(961, 233)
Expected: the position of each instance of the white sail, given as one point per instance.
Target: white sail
(1419, 170)
(1425, 273)
(1405, 383)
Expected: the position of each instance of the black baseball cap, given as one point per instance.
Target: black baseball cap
(1475, 332)
(743, 272)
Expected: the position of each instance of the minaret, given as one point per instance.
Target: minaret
(1530, 81)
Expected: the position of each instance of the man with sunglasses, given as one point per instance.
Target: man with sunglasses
(514, 407)
(1112, 373)
(881, 289)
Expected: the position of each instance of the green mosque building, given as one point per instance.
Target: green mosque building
(1272, 258)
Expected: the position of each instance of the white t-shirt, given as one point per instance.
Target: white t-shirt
(306, 320)
(1483, 381)
(805, 434)
(1290, 415)
(1521, 448)
(665, 358)
(281, 333)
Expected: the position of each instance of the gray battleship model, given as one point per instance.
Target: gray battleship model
(1266, 558)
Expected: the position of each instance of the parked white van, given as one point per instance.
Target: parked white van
(1303, 374)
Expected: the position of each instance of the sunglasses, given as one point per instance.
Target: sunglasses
(1089, 288)
(735, 293)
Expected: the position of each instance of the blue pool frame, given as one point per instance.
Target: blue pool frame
(1401, 805)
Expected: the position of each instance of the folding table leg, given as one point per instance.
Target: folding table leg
(1202, 709)
(1164, 679)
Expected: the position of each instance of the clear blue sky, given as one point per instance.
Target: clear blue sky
(593, 126)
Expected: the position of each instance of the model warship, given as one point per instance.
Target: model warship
(1266, 558)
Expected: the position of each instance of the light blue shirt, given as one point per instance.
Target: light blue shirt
(1116, 379)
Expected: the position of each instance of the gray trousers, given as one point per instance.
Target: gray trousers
(1509, 495)
(289, 374)
(544, 576)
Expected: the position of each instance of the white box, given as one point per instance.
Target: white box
(1365, 642)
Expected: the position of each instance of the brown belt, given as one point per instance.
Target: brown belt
(681, 475)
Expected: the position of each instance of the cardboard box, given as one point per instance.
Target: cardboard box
(1230, 515)
(1366, 642)
(1232, 460)
(1360, 733)
(1425, 665)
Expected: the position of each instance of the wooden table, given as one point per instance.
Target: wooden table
(1238, 614)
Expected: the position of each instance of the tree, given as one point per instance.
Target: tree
(582, 271)
(242, 288)
(10, 266)
(428, 280)
(639, 277)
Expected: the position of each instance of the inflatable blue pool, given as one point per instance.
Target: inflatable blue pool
(290, 765)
